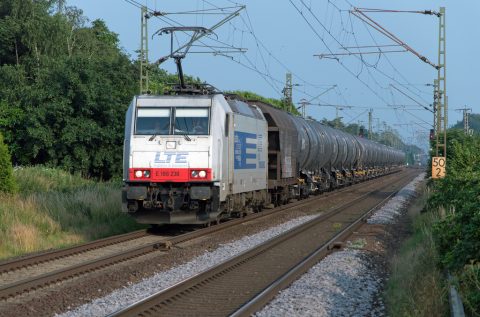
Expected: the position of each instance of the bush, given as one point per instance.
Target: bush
(457, 234)
(7, 182)
(469, 281)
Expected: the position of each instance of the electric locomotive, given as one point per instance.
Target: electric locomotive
(192, 159)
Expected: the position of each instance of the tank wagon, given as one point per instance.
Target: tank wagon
(193, 159)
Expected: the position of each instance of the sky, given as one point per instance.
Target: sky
(283, 36)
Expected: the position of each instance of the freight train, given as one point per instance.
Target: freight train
(196, 158)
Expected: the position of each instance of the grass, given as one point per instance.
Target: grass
(39, 179)
(54, 209)
(416, 286)
(470, 288)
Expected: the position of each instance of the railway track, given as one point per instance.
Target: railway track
(38, 271)
(35, 259)
(242, 285)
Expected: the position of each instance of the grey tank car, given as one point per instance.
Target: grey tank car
(199, 158)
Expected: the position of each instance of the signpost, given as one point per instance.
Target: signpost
(438, 167)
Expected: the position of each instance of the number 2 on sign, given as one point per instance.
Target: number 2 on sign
(438, 166)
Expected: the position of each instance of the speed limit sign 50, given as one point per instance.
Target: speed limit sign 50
(438, 166)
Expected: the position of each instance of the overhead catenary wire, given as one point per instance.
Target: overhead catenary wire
(323, 41)
(363, 62)
(386, 57)
(394, 69)
(391, 64)
(249, 25)
(418, 103)
(362, 16)
(266, 75)
(262, 66)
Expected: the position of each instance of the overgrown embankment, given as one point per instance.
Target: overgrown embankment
(54, 209)
(446, 238)
(457, 233)
(416, 286)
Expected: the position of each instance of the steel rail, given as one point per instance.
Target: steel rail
(201, 286)
(260, 300)
(34, 259)
(44, 280)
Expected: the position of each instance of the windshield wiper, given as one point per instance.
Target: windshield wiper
(185, 135)
(152, 137)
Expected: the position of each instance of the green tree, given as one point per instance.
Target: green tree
(64, 88)
(7, 182)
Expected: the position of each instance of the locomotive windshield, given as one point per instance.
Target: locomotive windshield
(191, 121)
(186, 121)
(153, 121)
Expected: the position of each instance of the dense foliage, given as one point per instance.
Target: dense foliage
(457, 234)
(64, 88)
(7, 182)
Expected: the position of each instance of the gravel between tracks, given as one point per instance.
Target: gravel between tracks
(396, 206)
(133, 293)
(345, 283)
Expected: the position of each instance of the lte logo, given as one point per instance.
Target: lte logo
(171, 157)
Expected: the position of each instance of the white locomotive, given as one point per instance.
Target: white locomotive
(196, 158)
(187, 157)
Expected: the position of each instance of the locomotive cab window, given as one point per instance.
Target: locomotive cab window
(191, 121)
(153, 121)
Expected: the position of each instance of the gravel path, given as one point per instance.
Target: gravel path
(345, 283)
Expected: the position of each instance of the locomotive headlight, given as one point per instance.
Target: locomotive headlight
(202, 174)
(138, 174)
(194, 174)
(146, 174)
